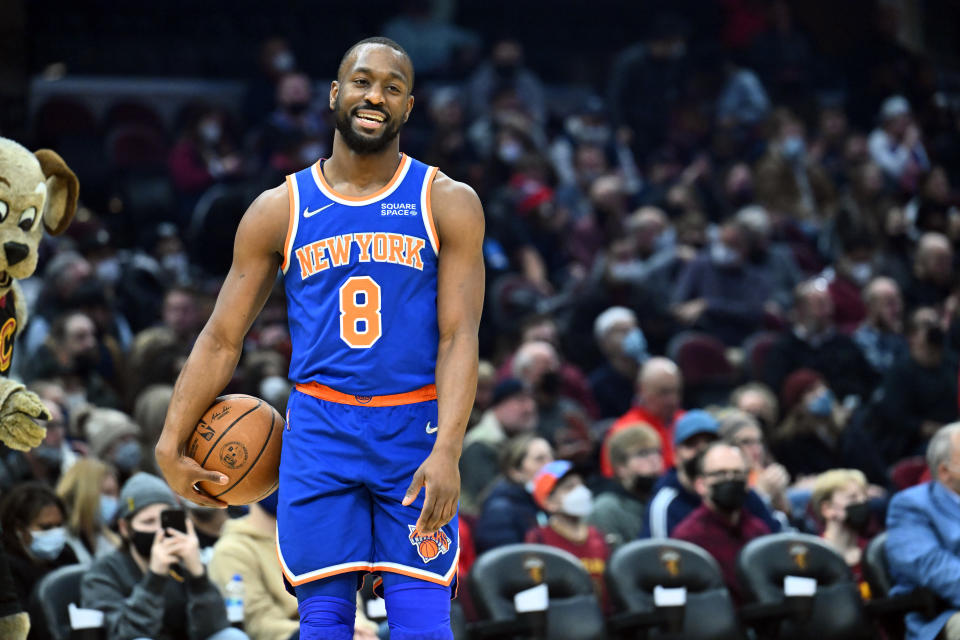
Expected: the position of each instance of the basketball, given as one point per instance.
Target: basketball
(239, 436)
(429, 548)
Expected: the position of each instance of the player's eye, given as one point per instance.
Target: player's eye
(27, 218)
(4, 208)
(360, 82)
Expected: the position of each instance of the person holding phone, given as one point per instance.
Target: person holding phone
(156, 585)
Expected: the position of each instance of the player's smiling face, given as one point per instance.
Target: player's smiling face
(371, 100)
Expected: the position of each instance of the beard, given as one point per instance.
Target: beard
(363, 144)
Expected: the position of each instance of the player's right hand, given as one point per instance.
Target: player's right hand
(183, 473)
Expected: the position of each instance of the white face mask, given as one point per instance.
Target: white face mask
(578, 503)
(48, 544)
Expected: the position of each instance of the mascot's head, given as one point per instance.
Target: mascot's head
(37, 191)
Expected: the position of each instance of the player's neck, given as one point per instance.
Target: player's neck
(361, 171)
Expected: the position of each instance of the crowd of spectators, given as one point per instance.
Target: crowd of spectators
(721, 298)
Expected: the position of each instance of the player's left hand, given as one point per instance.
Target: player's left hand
(440, 476)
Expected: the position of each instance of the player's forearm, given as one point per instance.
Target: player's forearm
(207, 371)
(456, 387)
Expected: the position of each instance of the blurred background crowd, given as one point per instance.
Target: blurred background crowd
(721, 250)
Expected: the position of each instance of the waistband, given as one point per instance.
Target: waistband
(323, 392)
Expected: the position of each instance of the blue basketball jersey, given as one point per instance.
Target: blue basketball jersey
(361, 283)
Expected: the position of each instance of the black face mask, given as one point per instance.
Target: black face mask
(858, 516)
(729, 495)
(206, 540)
(935, 337)
(142, 541)
(643, 485)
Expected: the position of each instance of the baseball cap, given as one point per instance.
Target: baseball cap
(894, 106)
(547, 478)
(142, 490)
(692, 423)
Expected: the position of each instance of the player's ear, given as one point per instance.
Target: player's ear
(406, 116)
(334, 90)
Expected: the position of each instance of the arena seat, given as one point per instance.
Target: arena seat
(834, 612)
(54, 593)
(134, 112)
(499, 574)
(708, 376)
(637, 568)
(62, 116)
(755, 349)
(134, 145)
(213, 226)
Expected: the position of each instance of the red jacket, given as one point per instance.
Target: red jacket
(639, 414)
(593, 553)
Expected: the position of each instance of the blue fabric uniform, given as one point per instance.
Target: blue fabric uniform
(361, 283)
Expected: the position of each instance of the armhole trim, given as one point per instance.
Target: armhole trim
(293, 195)
(428, 223)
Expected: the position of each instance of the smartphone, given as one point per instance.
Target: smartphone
(173, 519)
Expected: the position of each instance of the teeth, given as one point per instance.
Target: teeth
(374, 118)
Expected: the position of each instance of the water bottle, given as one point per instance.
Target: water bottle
(233, 594)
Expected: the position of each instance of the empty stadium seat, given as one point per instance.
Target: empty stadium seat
(637, 568)
(708, 376)
(62, 116)
(499, 574)
(835, 612)
(136, 113)
(135, 146)
(213, 226)
(54, 594)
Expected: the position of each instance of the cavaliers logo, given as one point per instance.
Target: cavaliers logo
(429, 547)
(233, 455)
(534, 568)
(670, 560)
(798, 552)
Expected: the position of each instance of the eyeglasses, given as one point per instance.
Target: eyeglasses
(646, 453)
(748, 442)
(725, 474)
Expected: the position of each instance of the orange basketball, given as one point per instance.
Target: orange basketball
(239, 436)
(429, 548)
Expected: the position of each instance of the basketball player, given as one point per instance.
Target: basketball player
(381, 259)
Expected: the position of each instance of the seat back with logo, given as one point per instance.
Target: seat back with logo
(499, 574)
(637, 568)
(54, 594)
(837, 611)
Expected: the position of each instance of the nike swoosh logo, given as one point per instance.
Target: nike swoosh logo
(307, 214)
(432, 429)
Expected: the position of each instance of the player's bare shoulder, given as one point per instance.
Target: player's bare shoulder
(266, 220)
(456, 208)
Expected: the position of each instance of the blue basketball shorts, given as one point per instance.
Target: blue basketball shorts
(344, 470)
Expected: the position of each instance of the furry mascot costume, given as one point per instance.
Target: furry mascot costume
(37, 191)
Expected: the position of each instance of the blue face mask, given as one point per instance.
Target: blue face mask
(108, 507)
(127, 456)
(48, 544)
(793, 147)
(635, 345)
(822, 405)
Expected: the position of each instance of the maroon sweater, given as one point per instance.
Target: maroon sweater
(722, 540)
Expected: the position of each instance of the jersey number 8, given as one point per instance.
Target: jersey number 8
(360, 321)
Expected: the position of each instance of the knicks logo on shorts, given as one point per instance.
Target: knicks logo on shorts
(429, 547)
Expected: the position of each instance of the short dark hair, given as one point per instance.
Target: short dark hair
(387, 42)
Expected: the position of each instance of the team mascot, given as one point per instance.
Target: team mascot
(37, 191)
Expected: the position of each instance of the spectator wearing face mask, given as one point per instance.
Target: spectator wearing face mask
(44, 463)
(768, 478)
(89, 489)
(509, 510)
(624, 348)
(933, 272)
(773, 260)
(294, 134)
(720, 293)
(896, 145)
(559, 490)
(675, 495)
(850, 273)
(637, 458)
(32, 519)
(113, 437)
(721, 524)
(275, 60)
(840, 500)
(919, 394)
(506, 65)
(156, 586)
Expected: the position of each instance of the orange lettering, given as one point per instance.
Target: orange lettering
(414, 247)
(320, 259)
(303, 257)
(396, 248)
(380, 246)
(363, 241)
(339, 247)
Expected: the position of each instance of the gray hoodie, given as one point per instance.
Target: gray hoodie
(138, 605)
